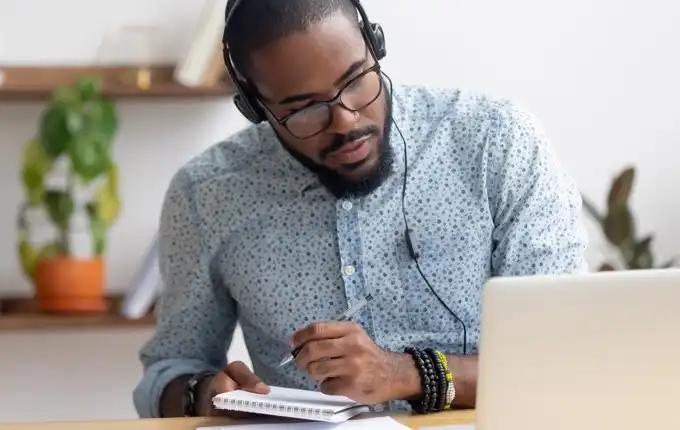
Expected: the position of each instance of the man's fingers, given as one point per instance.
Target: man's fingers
(324, 369)
(222, 383)
(322, 330)
(316, 350)
(334, 386)
(245, 379)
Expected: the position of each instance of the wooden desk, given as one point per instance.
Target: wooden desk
(412, 421)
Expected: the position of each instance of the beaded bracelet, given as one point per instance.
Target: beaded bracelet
(427, 381)
(443, 383)
(434, 379)
(451, 389)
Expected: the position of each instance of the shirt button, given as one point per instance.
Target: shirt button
(347, 205)
(348, 270)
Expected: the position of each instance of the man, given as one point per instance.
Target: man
(290, 222)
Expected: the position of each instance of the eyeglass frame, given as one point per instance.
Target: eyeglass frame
(336, 100)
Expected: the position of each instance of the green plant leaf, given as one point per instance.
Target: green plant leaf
(90, 156)
(642, 255)
(88, 87)
(621, 188)
(65, 95)
(36, 164)
(106, 197)
(54, 130)
(28, 257)
(51, 250)
(97, 229)
(60, 206)
(618, 225)
(108, 120)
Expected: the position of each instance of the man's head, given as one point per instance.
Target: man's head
(319, 85)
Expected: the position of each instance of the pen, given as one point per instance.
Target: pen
(348, 314)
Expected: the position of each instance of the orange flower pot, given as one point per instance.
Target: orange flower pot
(66, 285)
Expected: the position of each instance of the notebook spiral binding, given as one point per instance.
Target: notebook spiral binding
(276, 408)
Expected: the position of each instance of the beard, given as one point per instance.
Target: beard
(340, 185)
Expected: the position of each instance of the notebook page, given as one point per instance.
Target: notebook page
(303, 398)
(374, 423)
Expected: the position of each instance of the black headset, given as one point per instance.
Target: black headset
(245, 99)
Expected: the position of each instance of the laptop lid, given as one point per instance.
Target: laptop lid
(591, 351)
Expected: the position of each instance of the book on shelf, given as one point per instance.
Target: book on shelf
(202, 64)
(145, 287)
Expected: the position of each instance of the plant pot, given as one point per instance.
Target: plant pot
(66, 285)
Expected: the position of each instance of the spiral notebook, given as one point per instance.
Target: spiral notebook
(292, 403)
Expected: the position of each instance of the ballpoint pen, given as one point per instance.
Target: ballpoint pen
(349, 313)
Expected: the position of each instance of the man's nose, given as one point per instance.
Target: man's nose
(342, 120)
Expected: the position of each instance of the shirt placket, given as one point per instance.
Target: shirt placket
(349, 245)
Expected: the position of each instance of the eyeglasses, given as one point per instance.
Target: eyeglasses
(354, 96)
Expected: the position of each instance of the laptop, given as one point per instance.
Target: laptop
(594, 351)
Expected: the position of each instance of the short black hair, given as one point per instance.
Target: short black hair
(257, 23)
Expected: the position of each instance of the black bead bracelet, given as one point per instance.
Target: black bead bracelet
(442, 385)
(429, 382)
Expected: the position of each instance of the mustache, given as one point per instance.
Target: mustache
(340, 140)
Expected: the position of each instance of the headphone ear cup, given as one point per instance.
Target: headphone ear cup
(247, 110)
(379, 38)
(241, 99)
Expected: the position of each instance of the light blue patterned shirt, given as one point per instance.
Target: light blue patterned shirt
(249, 235)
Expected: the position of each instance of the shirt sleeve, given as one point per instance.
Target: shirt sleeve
(195, 316)
(536, 206)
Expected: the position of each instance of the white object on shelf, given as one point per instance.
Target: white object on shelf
(207, 38)
(145, 287)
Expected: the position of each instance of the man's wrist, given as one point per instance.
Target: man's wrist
(198, 394)
(406, 378)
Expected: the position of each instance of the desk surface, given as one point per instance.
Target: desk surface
(412, 421)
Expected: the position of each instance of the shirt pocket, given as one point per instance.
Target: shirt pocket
(456, 275)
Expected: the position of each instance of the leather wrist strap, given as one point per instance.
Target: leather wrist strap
(191, 393)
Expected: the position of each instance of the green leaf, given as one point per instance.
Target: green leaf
(97, 229)
(54, 130)
(622, 186)
(642, 255)
(60, 206)
(28, 258)
(65, 95)
(36, 163)
(88, 87)
(51, 250)
(106, 197)
(89, 156)
(618, 225)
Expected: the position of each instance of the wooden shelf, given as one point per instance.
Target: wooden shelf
(37, 83)
(18, 314)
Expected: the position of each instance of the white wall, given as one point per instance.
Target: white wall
(602, 76)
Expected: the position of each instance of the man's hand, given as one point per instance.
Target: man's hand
(236, 376)
(349, 363)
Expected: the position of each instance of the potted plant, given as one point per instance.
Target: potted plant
(618, 225)
(71, 198)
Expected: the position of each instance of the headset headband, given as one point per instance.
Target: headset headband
(245, 99)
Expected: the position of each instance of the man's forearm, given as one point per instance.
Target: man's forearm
(463, 369)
